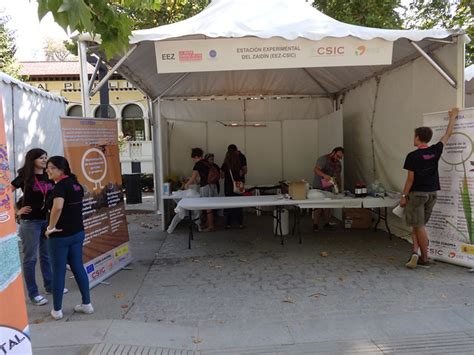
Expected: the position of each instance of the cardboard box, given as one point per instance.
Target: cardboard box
(357, 218)
(298, 190)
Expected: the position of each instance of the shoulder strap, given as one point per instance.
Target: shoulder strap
(231, 176)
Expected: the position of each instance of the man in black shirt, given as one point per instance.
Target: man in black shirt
(419, 193)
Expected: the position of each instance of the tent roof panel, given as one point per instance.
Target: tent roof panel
(272, 18)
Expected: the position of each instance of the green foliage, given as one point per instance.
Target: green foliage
(8, 63)
(452, 14)
(369, 13)
(104, 17)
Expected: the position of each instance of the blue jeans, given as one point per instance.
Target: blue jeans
(68, 250)
(31, 233)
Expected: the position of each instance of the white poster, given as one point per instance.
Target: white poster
(273, 53)
(450, 228)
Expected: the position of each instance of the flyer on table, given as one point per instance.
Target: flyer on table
(90, 145)
(14, 330)
(451, 225)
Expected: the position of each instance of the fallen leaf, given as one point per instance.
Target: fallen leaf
(320, 279)
(147, 225)
(444, 296)
(391, 258)
(221, 321)
(288, 300)
(341, 278)
(124, 306)
(243, 260)
(324, 254)
(218, 266)
(196, 260)
(317, 294)
(119, 295)
(38, 321)
(197, 340)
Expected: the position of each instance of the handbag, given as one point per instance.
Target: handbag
(238, 186)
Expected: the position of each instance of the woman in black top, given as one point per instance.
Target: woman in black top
(36, 186)
(65, 234)
(232, 170)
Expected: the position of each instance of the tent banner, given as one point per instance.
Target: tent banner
(91, 147)
(451, 227)
(273, 53)
(14, 329)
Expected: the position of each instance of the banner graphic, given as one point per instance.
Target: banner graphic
(450, 228)
(271, 53)
(14, 329)
(90, 145)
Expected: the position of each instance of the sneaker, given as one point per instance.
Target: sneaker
(413, 262)
(330, 225)
(57, 315)
(424, 264)
(315, 228)
(39, 300)
(84, 308)
(64, 291)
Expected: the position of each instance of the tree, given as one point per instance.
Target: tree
(8, 63)
(369, 13)
(55, 50)
(103, 17)
(452, 14)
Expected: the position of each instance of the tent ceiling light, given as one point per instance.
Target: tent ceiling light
(235, 124)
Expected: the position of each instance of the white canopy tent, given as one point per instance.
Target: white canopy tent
(303, 102)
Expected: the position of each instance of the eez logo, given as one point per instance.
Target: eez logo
(360, 51)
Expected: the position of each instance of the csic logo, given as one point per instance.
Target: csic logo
(97, 273)
(437, 252)
(212, 53)
(360, 51)
(331, 51)
(452, 254)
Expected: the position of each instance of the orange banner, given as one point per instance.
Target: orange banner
(90, 145)
(14, 330)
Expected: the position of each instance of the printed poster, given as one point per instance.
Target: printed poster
(90, 145)
(14, 330)
(450, 228)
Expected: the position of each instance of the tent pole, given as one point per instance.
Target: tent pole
(435, 65)
(461, 57)
(155, 111)
(93, 76)
(177, 81)
(112, 71)
(86, 106)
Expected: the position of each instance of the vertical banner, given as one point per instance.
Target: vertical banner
(14, 330)
(90, 145)
(450, 228)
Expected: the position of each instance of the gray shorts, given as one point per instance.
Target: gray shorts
(419, 207)
(208, 191)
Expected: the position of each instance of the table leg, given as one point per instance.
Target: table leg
(295, 220)
(191, 222)
(298, 222)
(379, 217)
(279, 225)
(386, 224)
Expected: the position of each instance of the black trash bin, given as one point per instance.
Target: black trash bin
(133, 188)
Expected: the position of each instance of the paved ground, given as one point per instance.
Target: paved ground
(240, 291)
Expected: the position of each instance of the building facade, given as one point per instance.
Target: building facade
(126, 104)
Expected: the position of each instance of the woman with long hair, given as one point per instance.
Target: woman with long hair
(35, 185)
(65, 233)
(232, 171)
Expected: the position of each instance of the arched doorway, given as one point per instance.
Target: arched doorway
(133, 124)
(75, 111)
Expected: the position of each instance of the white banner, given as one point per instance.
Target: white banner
(273, 53)
(450, 228)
